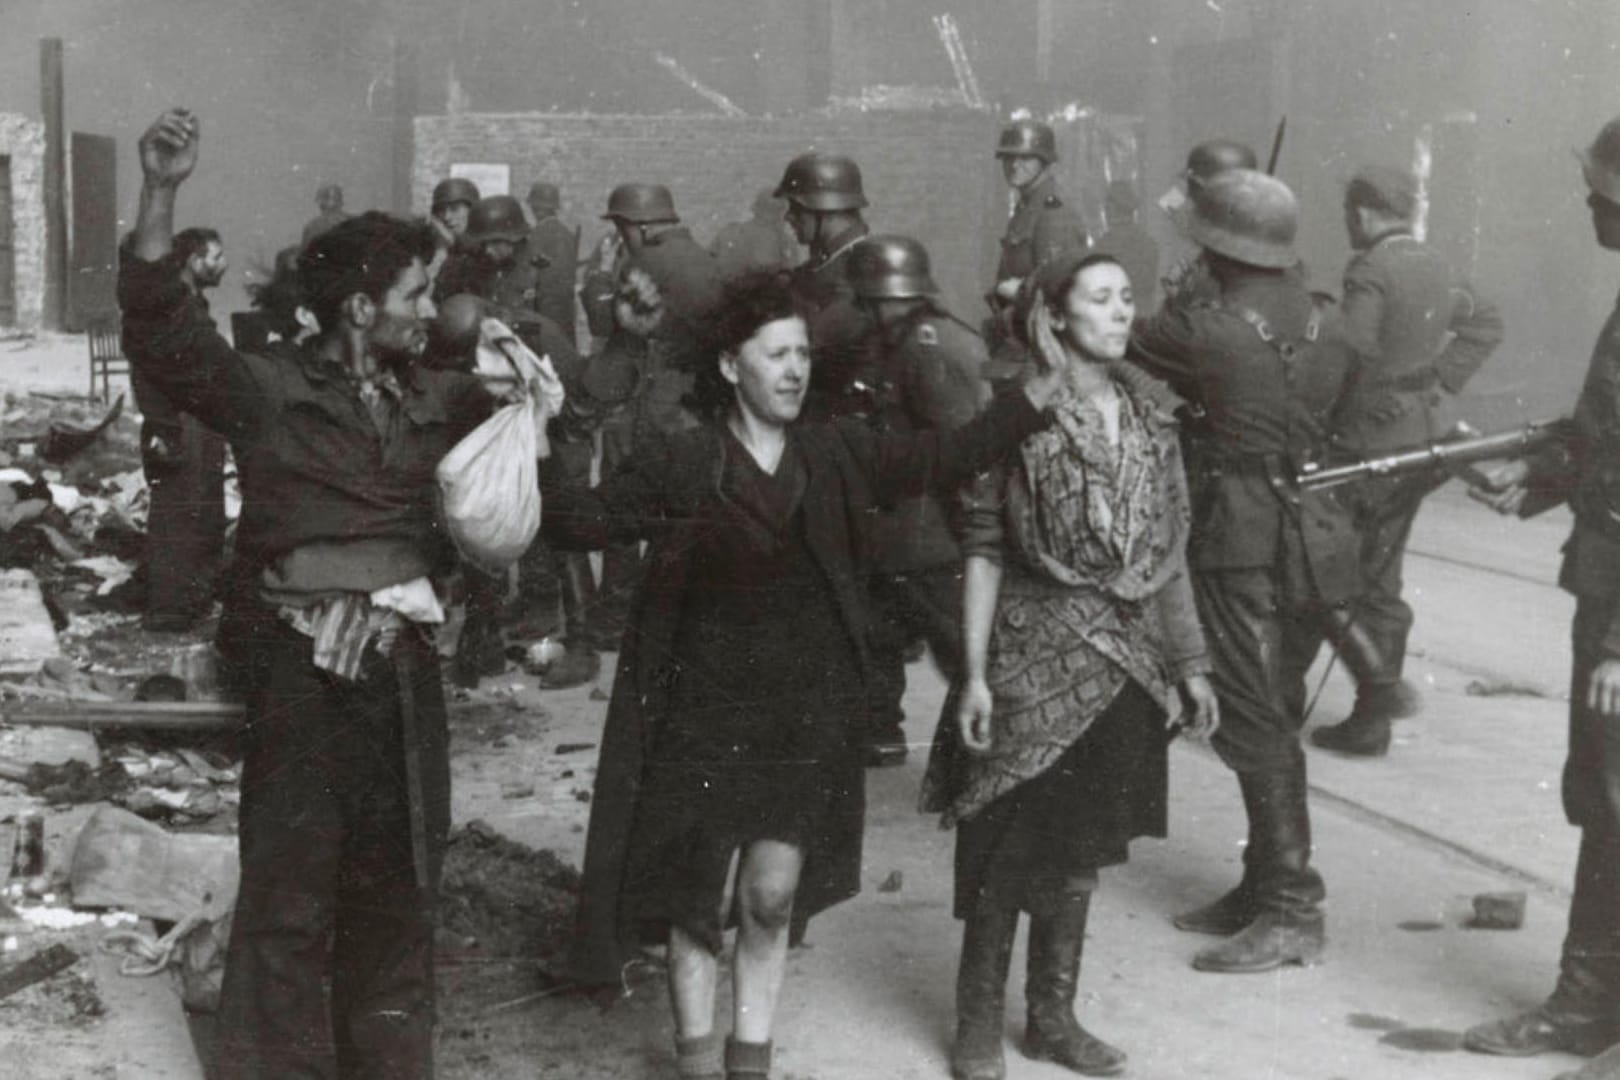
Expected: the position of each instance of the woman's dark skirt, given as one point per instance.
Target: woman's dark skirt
(1108, 788)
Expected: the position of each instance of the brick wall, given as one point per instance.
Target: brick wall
(927, 174)
(23, 140)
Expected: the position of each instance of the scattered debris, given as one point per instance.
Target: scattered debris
(1498, 911)
(574, 747)
(37, 968)
(122, 861)
(517, 789)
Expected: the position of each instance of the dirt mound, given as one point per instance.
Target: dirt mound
(510, 900)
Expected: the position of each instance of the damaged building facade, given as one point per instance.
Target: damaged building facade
(22, 221)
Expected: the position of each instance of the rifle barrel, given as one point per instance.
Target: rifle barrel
(1434, 455)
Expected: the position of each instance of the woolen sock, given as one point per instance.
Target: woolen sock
(699, 1058)
(746, 1059)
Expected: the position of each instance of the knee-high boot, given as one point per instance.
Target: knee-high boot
(1381, 694)
(981, 991)
(1057, 937)
(1288, 927)
(1236, 909)
(1583, 1012)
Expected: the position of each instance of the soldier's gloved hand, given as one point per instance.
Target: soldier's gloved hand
(1007, 289)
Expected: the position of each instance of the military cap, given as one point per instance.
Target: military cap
(1380, 187)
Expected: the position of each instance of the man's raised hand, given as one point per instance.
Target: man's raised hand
(169, 147)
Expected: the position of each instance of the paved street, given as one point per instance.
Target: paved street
(1467, 802)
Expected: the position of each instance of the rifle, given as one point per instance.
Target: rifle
(1462, 447)
(1276, 146)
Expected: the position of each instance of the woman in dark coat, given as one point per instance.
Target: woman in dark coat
(1081, 640)
(729, 786)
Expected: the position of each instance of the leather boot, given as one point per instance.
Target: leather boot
(1237, 908)
(1583, 1012)
(981, 992)
(1381, 694)
(1289, 927)
(1057, 937)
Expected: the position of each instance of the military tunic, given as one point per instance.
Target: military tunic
(927, 375)
(1585, 471)
(1041, 226)
(1419, 334)
(840, 329)
(557, 248)
(1265, 366)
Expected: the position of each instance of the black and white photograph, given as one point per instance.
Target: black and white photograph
(809, 539)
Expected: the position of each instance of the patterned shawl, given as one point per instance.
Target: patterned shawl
(1095, 531)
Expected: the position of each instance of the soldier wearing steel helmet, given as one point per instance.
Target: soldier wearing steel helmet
(1584, 471)
(494, 263)
(925, 371)
(1267, 363)
(1187, 280)
(1042, 225)
(451, 207)
(1419, 332)
(647, 293)
(825, 196)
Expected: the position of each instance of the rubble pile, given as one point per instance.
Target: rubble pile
(506, 900)
(73, 514)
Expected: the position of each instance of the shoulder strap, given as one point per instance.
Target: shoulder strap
(1264, 331)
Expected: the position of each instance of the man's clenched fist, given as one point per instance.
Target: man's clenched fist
(169, 147)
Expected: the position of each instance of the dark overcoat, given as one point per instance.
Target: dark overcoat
(668, 493)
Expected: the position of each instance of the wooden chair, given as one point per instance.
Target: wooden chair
(106, 353)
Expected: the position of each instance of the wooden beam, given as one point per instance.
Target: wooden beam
(51, 107)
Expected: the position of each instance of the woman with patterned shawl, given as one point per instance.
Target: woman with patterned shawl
(1084, 656)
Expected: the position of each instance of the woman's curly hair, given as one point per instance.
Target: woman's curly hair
(748, 301)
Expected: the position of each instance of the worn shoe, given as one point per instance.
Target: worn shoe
(1224, 917)
(578, 665)
(1537, 1031)
(1358, 736)
(1267, 943)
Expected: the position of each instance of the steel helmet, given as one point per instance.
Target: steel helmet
(1209, 159)
(1601, 162)
(890, 268)
(1027, 138)
(822, 182)
(641, 204)
(543, 195)
(454, 190)
(1246, 216)
(498, 217)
